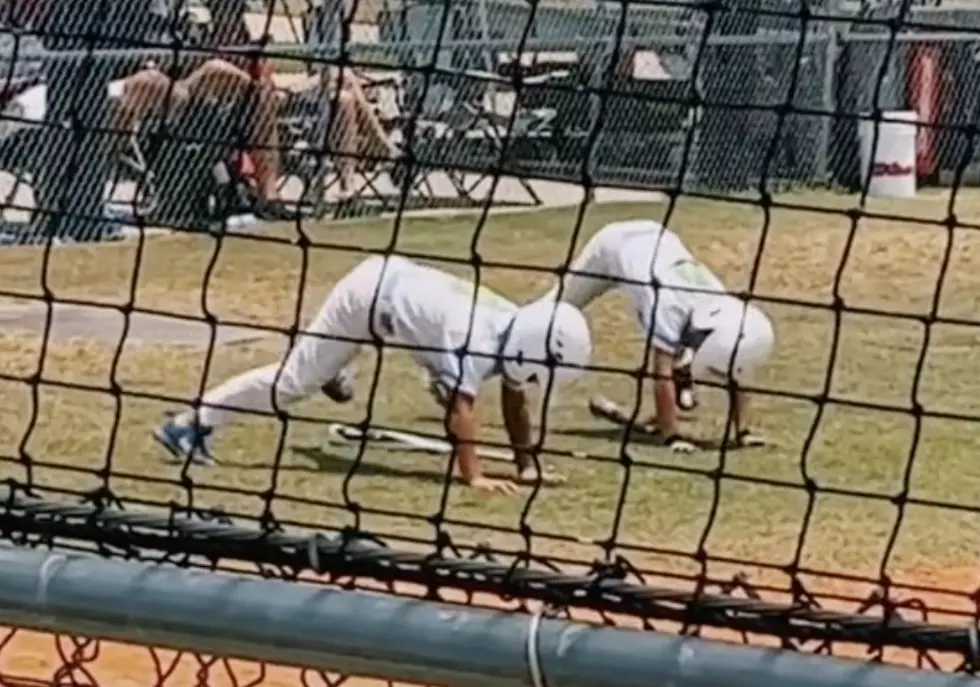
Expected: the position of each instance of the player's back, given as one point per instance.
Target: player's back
(639, 249)
(664, 279)
(682, 283)
(636, 247)
(637, 255)
(433, 308)
(619, 255)
(436, 314)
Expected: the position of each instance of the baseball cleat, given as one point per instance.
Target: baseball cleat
(185, 442)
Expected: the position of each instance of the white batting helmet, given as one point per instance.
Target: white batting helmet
(530, 354)
(737, 340)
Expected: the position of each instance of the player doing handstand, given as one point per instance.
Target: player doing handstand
(455, 337)
(697, 330)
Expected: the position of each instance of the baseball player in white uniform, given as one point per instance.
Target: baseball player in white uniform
(685, 310)
(458, 334)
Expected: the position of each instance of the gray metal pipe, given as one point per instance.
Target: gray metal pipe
(387, 637)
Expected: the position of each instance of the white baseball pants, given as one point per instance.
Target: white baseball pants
(313, 360)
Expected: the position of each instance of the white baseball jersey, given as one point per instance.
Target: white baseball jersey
(422, 307)
(400, 301)
(654, 267)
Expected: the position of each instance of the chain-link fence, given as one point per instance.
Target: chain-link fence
(658, 94)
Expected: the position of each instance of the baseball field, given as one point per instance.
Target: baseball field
(873, 467)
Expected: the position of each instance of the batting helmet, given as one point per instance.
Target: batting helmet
(736, 339)
(547, 338)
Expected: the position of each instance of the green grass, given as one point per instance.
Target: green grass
(892, 266)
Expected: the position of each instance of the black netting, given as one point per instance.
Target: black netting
(180, 183)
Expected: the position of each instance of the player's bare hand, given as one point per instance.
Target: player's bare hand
(678, 444)
(749, 439)
(494, 485)
(548, 478)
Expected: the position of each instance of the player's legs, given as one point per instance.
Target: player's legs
(311, 363)
(320, 355)
(588, 276)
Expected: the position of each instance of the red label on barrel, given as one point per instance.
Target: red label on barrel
(890, 169)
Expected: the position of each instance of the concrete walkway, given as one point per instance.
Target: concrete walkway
(106, 325)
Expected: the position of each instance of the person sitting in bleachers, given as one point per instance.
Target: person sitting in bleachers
(355, 130)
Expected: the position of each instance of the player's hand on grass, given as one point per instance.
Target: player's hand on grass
(548, 478)
(679, 444)
(494, 485)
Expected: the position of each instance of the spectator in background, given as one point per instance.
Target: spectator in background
(22, 13)
(355, 127)
(70, 202)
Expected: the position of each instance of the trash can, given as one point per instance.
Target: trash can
(888, 166)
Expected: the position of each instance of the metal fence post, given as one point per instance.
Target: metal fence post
(829, 103)
(70, 192)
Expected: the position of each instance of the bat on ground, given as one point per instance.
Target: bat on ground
(606, 409)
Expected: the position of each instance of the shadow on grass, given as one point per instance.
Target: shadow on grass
(639, 438)
(614, 434)
(432, 418)
(331, 463)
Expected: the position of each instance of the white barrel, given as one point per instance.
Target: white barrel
(893, 173)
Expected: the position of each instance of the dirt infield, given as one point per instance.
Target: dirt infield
(30, 658)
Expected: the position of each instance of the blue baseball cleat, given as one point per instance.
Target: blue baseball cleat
(185, 442)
